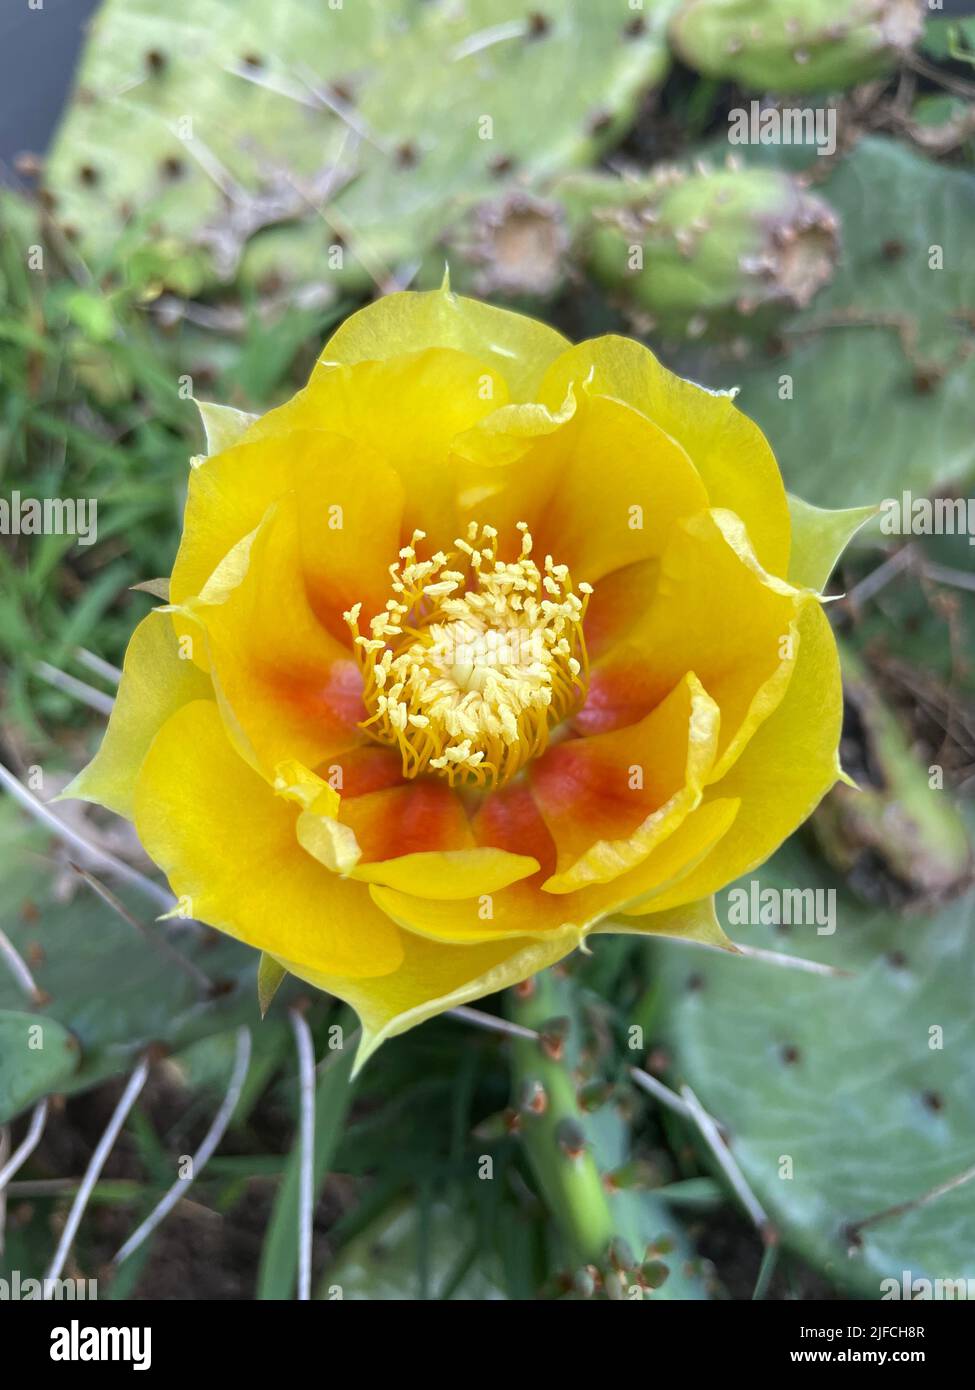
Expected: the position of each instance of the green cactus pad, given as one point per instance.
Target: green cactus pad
(795, 45)
(37, 1055)
(849, 437)
(221, 129)
(708, 251)
(102, 983)
(842, 1076)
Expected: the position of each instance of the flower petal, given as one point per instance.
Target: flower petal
(524, 908)
(351, 515)
(414, 837)
(519, 348)
(432, 978)
(437, 975)
(408, 411)
(448, 875)
(715, 611)
(697, 921)
(227, 843)
(223, 424)
(728, 449)
(155, 683)
(786, 769)
(286, 687)
(609, 800)
(819, 538)
(621, 486)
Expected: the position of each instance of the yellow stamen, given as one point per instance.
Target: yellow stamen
(474, 660)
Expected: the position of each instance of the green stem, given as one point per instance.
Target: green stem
(553, 1128)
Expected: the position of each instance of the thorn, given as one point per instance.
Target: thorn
(620, 1255)
(534, 1098)
(552, 1036)
(571, 1139)
(654, 1273)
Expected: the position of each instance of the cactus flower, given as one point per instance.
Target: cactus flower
(481, 643)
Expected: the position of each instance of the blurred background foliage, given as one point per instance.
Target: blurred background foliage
(227, 180)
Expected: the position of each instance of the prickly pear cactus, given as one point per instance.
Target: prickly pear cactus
(412, 1252)
(795, 45)
(901, 298)
(105, 991)
(515, 247)
(576, 1130)
(841, 1096)
(715, 251)
(333, 142)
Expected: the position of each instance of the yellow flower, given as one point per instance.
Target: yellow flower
(479, 644)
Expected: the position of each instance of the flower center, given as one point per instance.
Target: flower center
(474, 660)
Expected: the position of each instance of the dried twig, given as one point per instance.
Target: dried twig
(901, 1208)
(70, 685)
(103, 1148)
(18, 968)
(27, 1145)
(99, 665)
(203, 1154)
(490, 1023)
(94, 856)
(152, 939)
(712, 1137)
(306, 1181)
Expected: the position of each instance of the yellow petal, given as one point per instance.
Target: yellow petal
(786, 769)
(448, 874)
(697, 921)
(676, 859)
(524, 908)
(407, 410)
(603, 824)
(507, 433)
(227, 843)
(728, 450)
(351, 513)
(517, 347)
(620, 486)
(519, 910)
(285, 686)
(224, 425)
(433, 978)
(414, 837)
(318, 828)
(716, 612)
(155, 683)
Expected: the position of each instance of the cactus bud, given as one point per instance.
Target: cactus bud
(513, 247)
(724, 252)
(795, 45)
